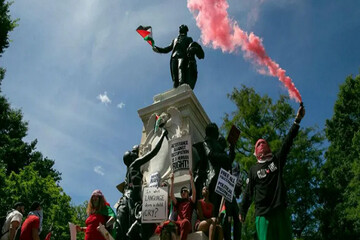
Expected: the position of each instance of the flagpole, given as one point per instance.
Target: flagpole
(221, 205)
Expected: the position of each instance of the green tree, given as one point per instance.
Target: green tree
(14, 152)
(80, 216)
(25, 175)
(340, 188)
(258, 117)
(28, 186)
(6, 25)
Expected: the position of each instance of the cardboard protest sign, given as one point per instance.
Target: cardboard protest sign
(225, 185)
(155, 205)
(181, 153)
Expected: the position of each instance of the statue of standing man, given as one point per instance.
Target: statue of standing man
(183, 66)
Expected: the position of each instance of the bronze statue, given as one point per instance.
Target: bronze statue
(130, 203)
(213, 157)
(217, 158)
(183, 66)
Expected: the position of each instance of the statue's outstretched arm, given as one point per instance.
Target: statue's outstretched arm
(165, 49)
(147, 157)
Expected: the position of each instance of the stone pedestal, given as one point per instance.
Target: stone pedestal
(181, 114)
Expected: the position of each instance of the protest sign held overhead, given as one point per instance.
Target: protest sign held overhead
(225, 185)
(181, 153)
(155, 205)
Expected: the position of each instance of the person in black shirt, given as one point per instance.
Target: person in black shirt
(267, 187)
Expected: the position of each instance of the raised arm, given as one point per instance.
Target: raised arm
(289, 139)
(172, 196)
(193, 195)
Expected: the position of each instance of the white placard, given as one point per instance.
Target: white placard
(155, 180)
(72, 228)
(155, 205)
(181, 153)
(225, 185)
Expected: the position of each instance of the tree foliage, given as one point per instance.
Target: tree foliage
(14, 152)
(80, 216)
(340, 189)
(6, 25)
(25, 175)
(258, 117)
(28, 186)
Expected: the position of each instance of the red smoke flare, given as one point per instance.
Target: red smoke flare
(218, 31)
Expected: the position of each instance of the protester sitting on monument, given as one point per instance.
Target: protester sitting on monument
(99, 212)
(32, 226)
(185, 206)
(266, 185)
(206, 221)
(12, 222)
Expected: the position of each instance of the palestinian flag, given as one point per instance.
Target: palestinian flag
(223, 209)
(146, 33)
(222, 213)
(157, 123)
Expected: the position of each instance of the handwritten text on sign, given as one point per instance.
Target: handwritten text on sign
(225, 185)
(181, 153)
(155, 205)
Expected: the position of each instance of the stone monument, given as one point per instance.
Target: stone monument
(179, 111)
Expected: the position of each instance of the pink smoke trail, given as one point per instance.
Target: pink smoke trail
(218, 31)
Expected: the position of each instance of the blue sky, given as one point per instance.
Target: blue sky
(79, 72)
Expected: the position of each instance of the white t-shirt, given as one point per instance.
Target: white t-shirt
(14, 216)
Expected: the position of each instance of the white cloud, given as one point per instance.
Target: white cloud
(99, 170)
(104, 98)
(121, 105)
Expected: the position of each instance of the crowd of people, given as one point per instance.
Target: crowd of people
(13, 228)
(197, 209)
